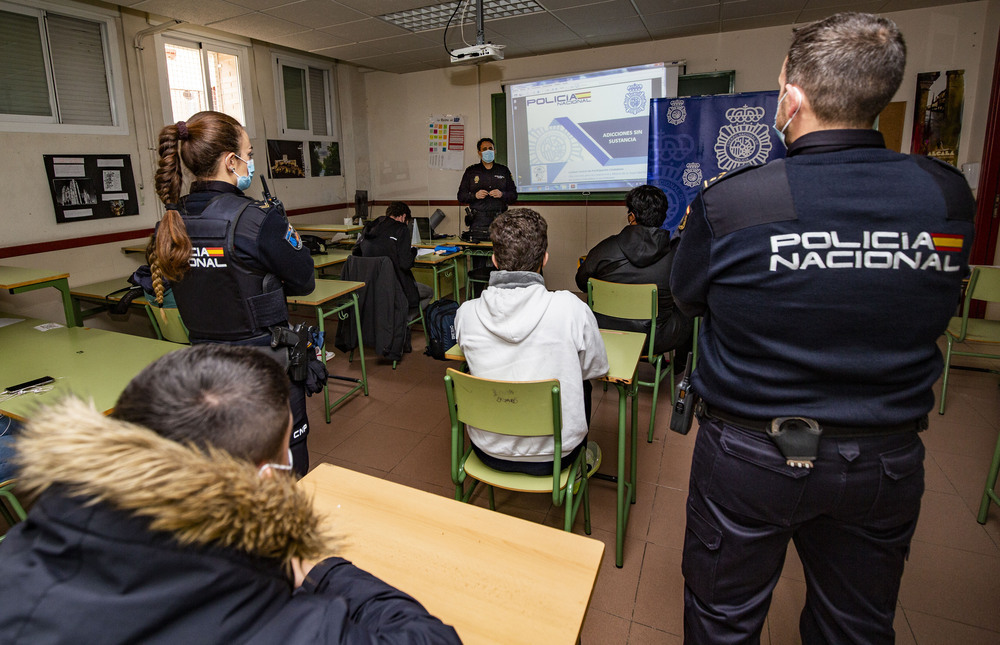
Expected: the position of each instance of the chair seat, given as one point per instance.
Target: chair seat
(979, 331)
(521, 482)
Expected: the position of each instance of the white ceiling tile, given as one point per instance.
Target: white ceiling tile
(758, 22)
(199, 12)
(257, 25)
(309, 40)
(316, 13)
(367, 29)
(350, 52)
(382, 7)
(261, 5)
(681, 18)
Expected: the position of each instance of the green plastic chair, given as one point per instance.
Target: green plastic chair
(523, 409)
(169, 324)
(638, 302)
(984, 284)
(7, 493)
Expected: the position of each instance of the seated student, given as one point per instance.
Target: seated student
(642, 253)
(388, 236)
(519, 331)
(176, 521)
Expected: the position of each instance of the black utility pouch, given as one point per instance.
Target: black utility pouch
(687, 399)
(797, 438)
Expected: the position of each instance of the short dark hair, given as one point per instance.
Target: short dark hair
(479, 144)
(395, 209)
(648, 204)
(849, 65)
(520, 239)
(229, 397)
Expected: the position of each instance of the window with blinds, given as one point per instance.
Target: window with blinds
(54, 68)
(304, 99)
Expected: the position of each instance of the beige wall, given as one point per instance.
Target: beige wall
(959, 36)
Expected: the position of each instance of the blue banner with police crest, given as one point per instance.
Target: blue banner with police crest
(694, 139)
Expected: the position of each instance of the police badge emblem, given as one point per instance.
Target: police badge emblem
(475, 179)
(692, 175)
(744, 141)
(635, 99)
(676, 113)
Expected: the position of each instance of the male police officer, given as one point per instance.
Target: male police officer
(487, 187)
(824, 279)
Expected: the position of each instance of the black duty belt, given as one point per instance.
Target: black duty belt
(829, 430)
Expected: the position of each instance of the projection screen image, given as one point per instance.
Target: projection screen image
(584, 133)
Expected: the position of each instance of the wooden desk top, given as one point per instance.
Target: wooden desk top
(436, 258)
(13, 277)
(325, 291)
(328, 228)
(623, 347)
(134, 248)
(495, 578)
(330, 258)
(453, 240)
(101, 290)
(91, 363)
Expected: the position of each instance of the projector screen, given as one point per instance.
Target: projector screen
(584, 133)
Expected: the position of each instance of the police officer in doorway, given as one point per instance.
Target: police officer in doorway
(230, 260)
(824, 280)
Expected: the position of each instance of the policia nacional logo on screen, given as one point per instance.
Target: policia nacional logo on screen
(872, 250)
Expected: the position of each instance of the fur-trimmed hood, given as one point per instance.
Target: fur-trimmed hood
(202, 499)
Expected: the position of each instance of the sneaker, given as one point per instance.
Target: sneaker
(593, 458)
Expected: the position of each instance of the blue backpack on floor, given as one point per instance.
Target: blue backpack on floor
(440, 319)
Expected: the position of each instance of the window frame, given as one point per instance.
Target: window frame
(113, 70)
(329, 70)
(204, 45)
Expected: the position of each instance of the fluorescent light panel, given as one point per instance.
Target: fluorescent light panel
(436, 16)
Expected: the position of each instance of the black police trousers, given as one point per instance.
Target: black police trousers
(851, 518)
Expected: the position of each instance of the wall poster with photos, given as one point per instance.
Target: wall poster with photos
(86, 187)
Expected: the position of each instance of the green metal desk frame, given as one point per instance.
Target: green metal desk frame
(344, 295)
(18, 280)
(441, 265)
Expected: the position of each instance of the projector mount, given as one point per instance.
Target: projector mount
(482, 50)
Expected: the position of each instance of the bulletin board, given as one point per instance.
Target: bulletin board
(86, 187)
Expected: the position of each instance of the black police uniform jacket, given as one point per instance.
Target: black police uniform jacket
(825, 279)
(139, 539)
(245, 259)
(385, 237)
(477, 177)
(639, 255)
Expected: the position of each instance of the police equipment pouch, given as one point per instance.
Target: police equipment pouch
(304, 343)
(797, 438)
(687, 400)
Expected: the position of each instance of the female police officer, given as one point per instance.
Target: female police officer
(230, 260)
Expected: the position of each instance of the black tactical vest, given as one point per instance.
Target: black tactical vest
(220, 298)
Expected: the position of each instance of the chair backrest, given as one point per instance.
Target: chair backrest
(523, 408)
(635, 301)
(172, 328)
(984, 284)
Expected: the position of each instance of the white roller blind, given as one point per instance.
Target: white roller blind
(77, 50)
(22, 67)
(317, 101)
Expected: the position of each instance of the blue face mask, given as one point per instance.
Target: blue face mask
(781, 133)
(489, 155)
(244, 182)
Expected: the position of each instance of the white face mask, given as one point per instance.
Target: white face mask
(781, 132)
(274, 466)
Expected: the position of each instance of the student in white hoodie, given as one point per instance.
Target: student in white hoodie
(519, 331)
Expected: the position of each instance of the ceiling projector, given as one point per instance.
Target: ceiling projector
(476, 53)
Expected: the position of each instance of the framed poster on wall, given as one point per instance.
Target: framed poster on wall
(86, 187)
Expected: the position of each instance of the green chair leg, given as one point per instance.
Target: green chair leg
(947, 366)
(656, 394)
(989, 494)
(493, 504)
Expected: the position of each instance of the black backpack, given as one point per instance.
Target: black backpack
(440, 319)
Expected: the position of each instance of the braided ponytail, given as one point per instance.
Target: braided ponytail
(169, 252)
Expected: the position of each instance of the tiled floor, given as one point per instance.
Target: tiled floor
(950, 590)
